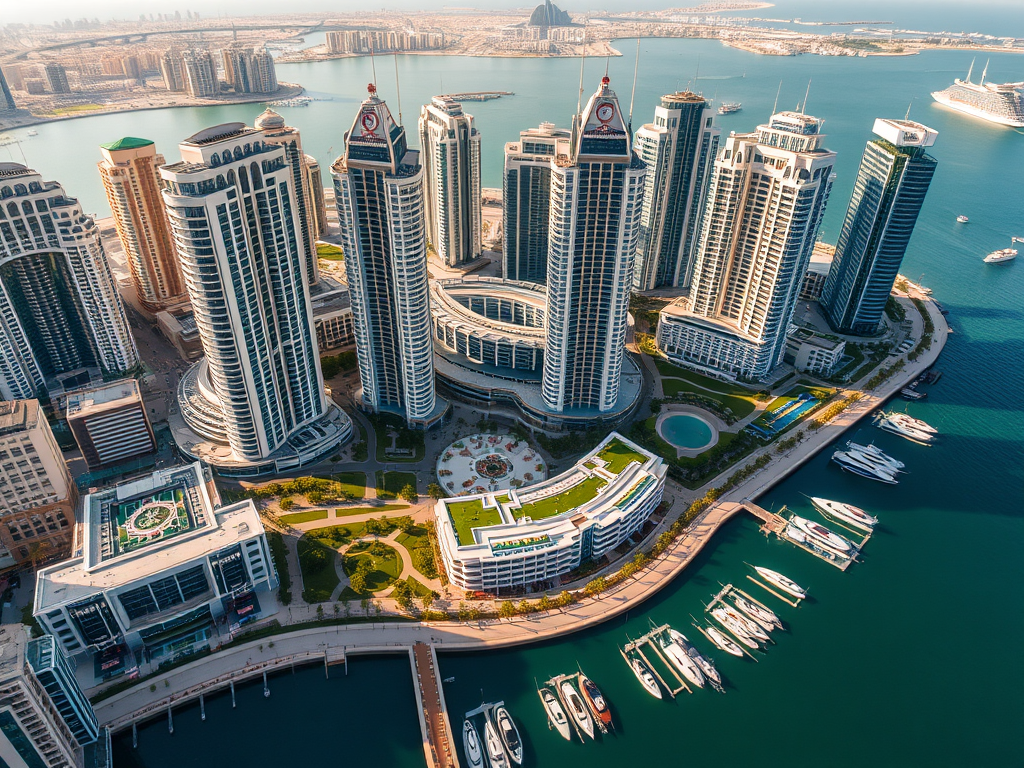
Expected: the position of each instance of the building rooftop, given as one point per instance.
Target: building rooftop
(905, 133)
(87, 401)
(128, 142)
(17, 415)
(13, 640)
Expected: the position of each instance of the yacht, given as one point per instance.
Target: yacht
(735, 628)
(752, 628)
(1001, 103)
(784, 583)
(643, 674)
(509, 734)
(705, 664)
(904, 429)
(471, 745)
(906, 418)
(852, 463)
(495, 749)
(577, 709)
(763, 616)
(681, 660)
(596, 700)
(962, 219)
(822, 536)
(1004, 254)
(556, 715)
(728, 108)
(723, 642)
(846, 513)
(877, 453)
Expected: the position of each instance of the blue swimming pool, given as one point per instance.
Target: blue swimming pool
(684, 430)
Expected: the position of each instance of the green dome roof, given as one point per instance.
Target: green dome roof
(128, 142)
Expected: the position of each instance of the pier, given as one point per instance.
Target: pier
(772, 522)
(650, 640)
(433, 713)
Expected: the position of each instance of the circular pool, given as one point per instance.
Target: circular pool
(686, 431)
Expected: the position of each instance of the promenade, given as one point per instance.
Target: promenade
(339, 641)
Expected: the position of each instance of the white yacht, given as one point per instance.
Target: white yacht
(682, 661)
(784, 583)
(495, 749)
(846, 513)
(556, 715)
(471, 744)
(1004, 255)
(906, 418)
(509, 733)
(734, 627)
(723, 642)
(577, 709)
(763, 616)
(643, 674)
(705, 664)
(904, 429)
(750, 626)
(822, 536)
(854, 463)
(877, 453)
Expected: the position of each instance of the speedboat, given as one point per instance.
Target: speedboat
(509, 734)
(705, 664)
(782, 582)
(875, 452)
(681, 660)
(643, 674)
(495, 749)
(763, 616)
(962, 219)
(596, 700)
(751, 627)
(852, 462)
(822, 536)
(847, 513)
(471, 744)
(556, 715)
(904, 429)
(577, 709)
(723, 641)
(738, 631)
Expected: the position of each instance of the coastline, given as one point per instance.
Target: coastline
(224, 667)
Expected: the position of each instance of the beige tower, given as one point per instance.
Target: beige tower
(129, 173)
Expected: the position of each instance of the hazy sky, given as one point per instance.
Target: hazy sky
(997, 17)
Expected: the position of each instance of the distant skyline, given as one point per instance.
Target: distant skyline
(995, 17)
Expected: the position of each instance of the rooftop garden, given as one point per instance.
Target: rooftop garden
(467, 515)
(567, 500)
(618, 456)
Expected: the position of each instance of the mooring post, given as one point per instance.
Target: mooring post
(202, 708)
(266, 687)
(135, 735)
(327, 675)
(170, 720)
(232, 694)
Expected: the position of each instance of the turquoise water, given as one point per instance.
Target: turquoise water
(911, 657)
(685, 431)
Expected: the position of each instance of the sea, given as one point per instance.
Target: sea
(912, 657)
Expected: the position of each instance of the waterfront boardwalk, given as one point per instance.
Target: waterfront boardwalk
(156, 694)
(438, 746)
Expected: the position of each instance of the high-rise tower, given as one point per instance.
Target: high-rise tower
(60, 314)
(378, 186)
(764, 207)
(258, 393)
(893, 179)
(450, 145)
(200, 74)
(132, 182)
(6, 99)
(526, 197)
(276, 132)
(596, 197)
(678, 148)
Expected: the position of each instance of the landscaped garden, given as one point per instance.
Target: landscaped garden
(570, 498)
(319, 578)
(619, 456)
(467, 515)
(304, 517)
(330, 252)
(371, 567)
(352, 483)
(417, 541)
(737, 398)
(390, 485)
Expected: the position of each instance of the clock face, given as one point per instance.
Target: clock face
(605, 112)
(369, 122)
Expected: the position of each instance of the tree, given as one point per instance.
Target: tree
(320, 613)
(403, 594)
(365, 605)
(405, 523)
(376, 526)
(507, 609)
(463, 613)
(566, 599)
(357, 582)
(596, 586)
(545, 603)
(409, 493)
(435, 491)
(313, 559)
(429, 598)
(286, 503)
(525, 607)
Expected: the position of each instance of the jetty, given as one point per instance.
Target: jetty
(774, 523)
(574, 679)
(435, 727)
(650, 641)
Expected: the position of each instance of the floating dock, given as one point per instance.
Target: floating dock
(777, 524)
(650, 641)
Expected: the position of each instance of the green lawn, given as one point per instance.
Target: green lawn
(386, 569)
(418, 588)
(619, 455)
(666, 368)
(416, 537)
(304, 517)
(335, 536)
(390, 483)
(353, 483)
(467, 515)
(571, 498)
(741, 407)
(329, 252)
(318, 587)
(350, 511)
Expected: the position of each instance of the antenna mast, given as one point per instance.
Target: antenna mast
(583, 60)
(373, 63)
(636, 68)
(803, 107)
(775, 106)
(398, 91)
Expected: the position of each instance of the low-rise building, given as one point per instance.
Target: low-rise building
(516, 538)
(110, 423)
(812, 352)
(163, 571)
(817, 271)
(37, 494)
(332, 314)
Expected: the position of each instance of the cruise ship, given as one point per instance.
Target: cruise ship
(996, 103)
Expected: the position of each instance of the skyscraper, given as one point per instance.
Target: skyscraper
(317, 199)
(172, 70)
(60, 314)
(129, 170)
(57, 78)
(765, 205)
(596, 197)
(893, 179)
(199, 73)
(276, 132)
(678, 148)
(451, 162)
(257, 397)
(378, 186)
(526, 197)
(249, 70)
(6, 99)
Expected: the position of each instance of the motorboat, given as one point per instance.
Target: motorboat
(846, 513)
(1004, 255)
(854, 463)
(910, 421)
(877, 453)
(962, 219)
(750, 626)
(822, 536)
(496, 757)
(681, 660)
(904, 429)
(763, 616)
(729, 108)
(784, 583)
(556, 715)
(723, 641)
(596, 700)
(509, 734)
(735, 628)
(471, 745)
(577, 709)
(705, 664)
(643, 674)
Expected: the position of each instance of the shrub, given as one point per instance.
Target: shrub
(313, 559)
(287, 503)
(408, 493)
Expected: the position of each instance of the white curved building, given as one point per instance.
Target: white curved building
(531, 536)
(378, 186)
(60, 313)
